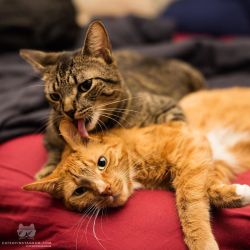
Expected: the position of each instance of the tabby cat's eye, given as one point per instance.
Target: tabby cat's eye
(55, 97)
(85, 86)
(102, 162)
(79, 191)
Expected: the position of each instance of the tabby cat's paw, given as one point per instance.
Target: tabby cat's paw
(244, 192)
(45, 171)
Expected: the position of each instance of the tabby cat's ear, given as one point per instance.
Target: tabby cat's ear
(39, 59)
(48, 184)
(70, 134)
(97, 42)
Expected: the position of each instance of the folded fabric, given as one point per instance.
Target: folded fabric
(134, 31)
(131, 30)
(213, 57)
(24, 110)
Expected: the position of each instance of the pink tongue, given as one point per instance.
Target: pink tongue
(82, 129)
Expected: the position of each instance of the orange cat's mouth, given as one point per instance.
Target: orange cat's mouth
(111, 201)
(115, 200)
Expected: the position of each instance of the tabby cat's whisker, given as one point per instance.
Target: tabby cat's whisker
(120, 109)
(41, 129)
(113, 120)
(119, 101)
(100, 123)
(109, 103)
(111, 114)
(48, 123)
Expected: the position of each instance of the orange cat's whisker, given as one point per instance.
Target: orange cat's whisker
(91, 216)
(94, 231)
(88, 212)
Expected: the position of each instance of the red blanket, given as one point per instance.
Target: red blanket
(148, 221)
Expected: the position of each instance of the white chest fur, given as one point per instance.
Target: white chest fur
(221, 140)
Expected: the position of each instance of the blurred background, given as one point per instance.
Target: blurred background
(211, 35)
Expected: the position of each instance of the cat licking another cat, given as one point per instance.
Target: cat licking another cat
(97, 90)
(197, 160)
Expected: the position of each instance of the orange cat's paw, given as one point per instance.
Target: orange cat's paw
(210, 244)
(244, 192)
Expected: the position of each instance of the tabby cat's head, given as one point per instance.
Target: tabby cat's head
(84, 85)
(94, 174)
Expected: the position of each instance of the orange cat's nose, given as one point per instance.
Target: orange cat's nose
(107, 191)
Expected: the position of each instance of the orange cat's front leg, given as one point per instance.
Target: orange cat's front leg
(193, 209)
(191, 167)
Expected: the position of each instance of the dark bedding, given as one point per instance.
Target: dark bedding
(23, 108)
(212, 17)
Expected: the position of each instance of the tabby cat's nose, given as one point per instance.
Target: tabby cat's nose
(71, 113)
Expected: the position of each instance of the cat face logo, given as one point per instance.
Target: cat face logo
(26, 232)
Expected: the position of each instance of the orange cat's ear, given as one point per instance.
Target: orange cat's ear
(70, 134)
(39, 59)
(48, 184)
(97, 42)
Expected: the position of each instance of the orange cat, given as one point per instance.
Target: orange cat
(197, 161)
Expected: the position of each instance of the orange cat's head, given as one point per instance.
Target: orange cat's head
(92, 174)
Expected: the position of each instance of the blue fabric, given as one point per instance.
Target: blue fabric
(211, 16)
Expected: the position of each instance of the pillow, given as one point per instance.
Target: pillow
(214, 16)
(148, 221)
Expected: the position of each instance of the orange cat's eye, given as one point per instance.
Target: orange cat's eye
(102, 162)
(79, 191)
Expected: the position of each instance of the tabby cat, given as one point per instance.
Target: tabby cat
(173, 156)
(98, 91)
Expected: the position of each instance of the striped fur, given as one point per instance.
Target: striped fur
(127, 88)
